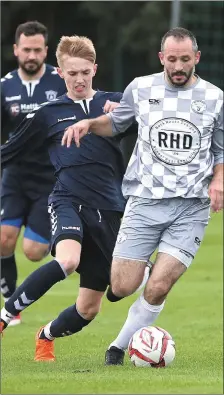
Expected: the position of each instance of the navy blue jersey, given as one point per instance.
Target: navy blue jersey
(91, 174)
(18, 98)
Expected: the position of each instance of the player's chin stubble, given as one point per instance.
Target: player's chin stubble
(181, 83)
(31, 71)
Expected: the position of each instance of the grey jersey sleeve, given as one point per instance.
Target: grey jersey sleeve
(218, 140)
(124, 115)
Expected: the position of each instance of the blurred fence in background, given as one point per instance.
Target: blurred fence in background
(205, 19)
(126, 34)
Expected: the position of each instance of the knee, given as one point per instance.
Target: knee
(69, 263)
(34, 254)
(8, 243)
(68, 254)
(34, 251)
(121, 290)
(156, 291)
(89, 310)
(126, 276)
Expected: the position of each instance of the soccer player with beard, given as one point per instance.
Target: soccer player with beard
(26, 185)
(174, 177)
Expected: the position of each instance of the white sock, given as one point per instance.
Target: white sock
(47, 332)
(6, 316)
(140, 314)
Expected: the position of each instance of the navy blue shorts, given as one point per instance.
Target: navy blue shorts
(21, 206)
(96, 230)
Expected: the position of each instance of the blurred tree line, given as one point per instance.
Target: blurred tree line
(126, 34)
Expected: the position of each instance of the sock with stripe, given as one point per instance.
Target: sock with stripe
(35, 285)
(8, 276)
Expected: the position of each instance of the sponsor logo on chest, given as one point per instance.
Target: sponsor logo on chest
(17, 108)
(198, 106)
(51, 95)
(175, 141)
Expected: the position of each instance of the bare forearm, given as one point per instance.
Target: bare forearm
(102, 126)
(215, 189)
(218, 172)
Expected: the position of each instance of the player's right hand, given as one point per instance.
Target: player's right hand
(110, 106)
(75, 132)
(215, 192)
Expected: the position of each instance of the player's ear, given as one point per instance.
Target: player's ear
(60, 72)
(95, 67)
(197, 57)
(15, 51)
(161, 58)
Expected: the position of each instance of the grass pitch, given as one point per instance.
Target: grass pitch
(193, 315)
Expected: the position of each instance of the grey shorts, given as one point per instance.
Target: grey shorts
(175, 226)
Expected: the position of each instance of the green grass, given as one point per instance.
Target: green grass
(193, 315)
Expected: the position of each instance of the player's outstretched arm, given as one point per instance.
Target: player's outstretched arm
(101, 126)
(29, 135)
(108, 125)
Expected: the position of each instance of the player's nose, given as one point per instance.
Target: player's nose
(32, 55)
(79, 81)
(178, 66)
(79, 78)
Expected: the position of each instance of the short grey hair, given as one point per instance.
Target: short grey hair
(180, 34)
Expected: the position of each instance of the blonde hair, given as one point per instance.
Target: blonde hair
(75, 46)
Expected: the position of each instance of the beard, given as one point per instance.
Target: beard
(187, 76)
(31, 68)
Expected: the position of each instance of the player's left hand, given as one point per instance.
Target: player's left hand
(215, 192)
(110, 106)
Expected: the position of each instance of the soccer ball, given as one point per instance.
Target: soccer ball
(151, 346)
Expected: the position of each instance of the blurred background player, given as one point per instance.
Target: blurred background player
(26, 185)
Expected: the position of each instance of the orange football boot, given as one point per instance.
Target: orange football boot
(44, 349)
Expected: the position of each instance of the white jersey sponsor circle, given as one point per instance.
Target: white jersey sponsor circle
(175, 141)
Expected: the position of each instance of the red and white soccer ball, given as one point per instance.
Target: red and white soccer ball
(151, 346)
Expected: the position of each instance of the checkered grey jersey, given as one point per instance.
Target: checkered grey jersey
(180, 137)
